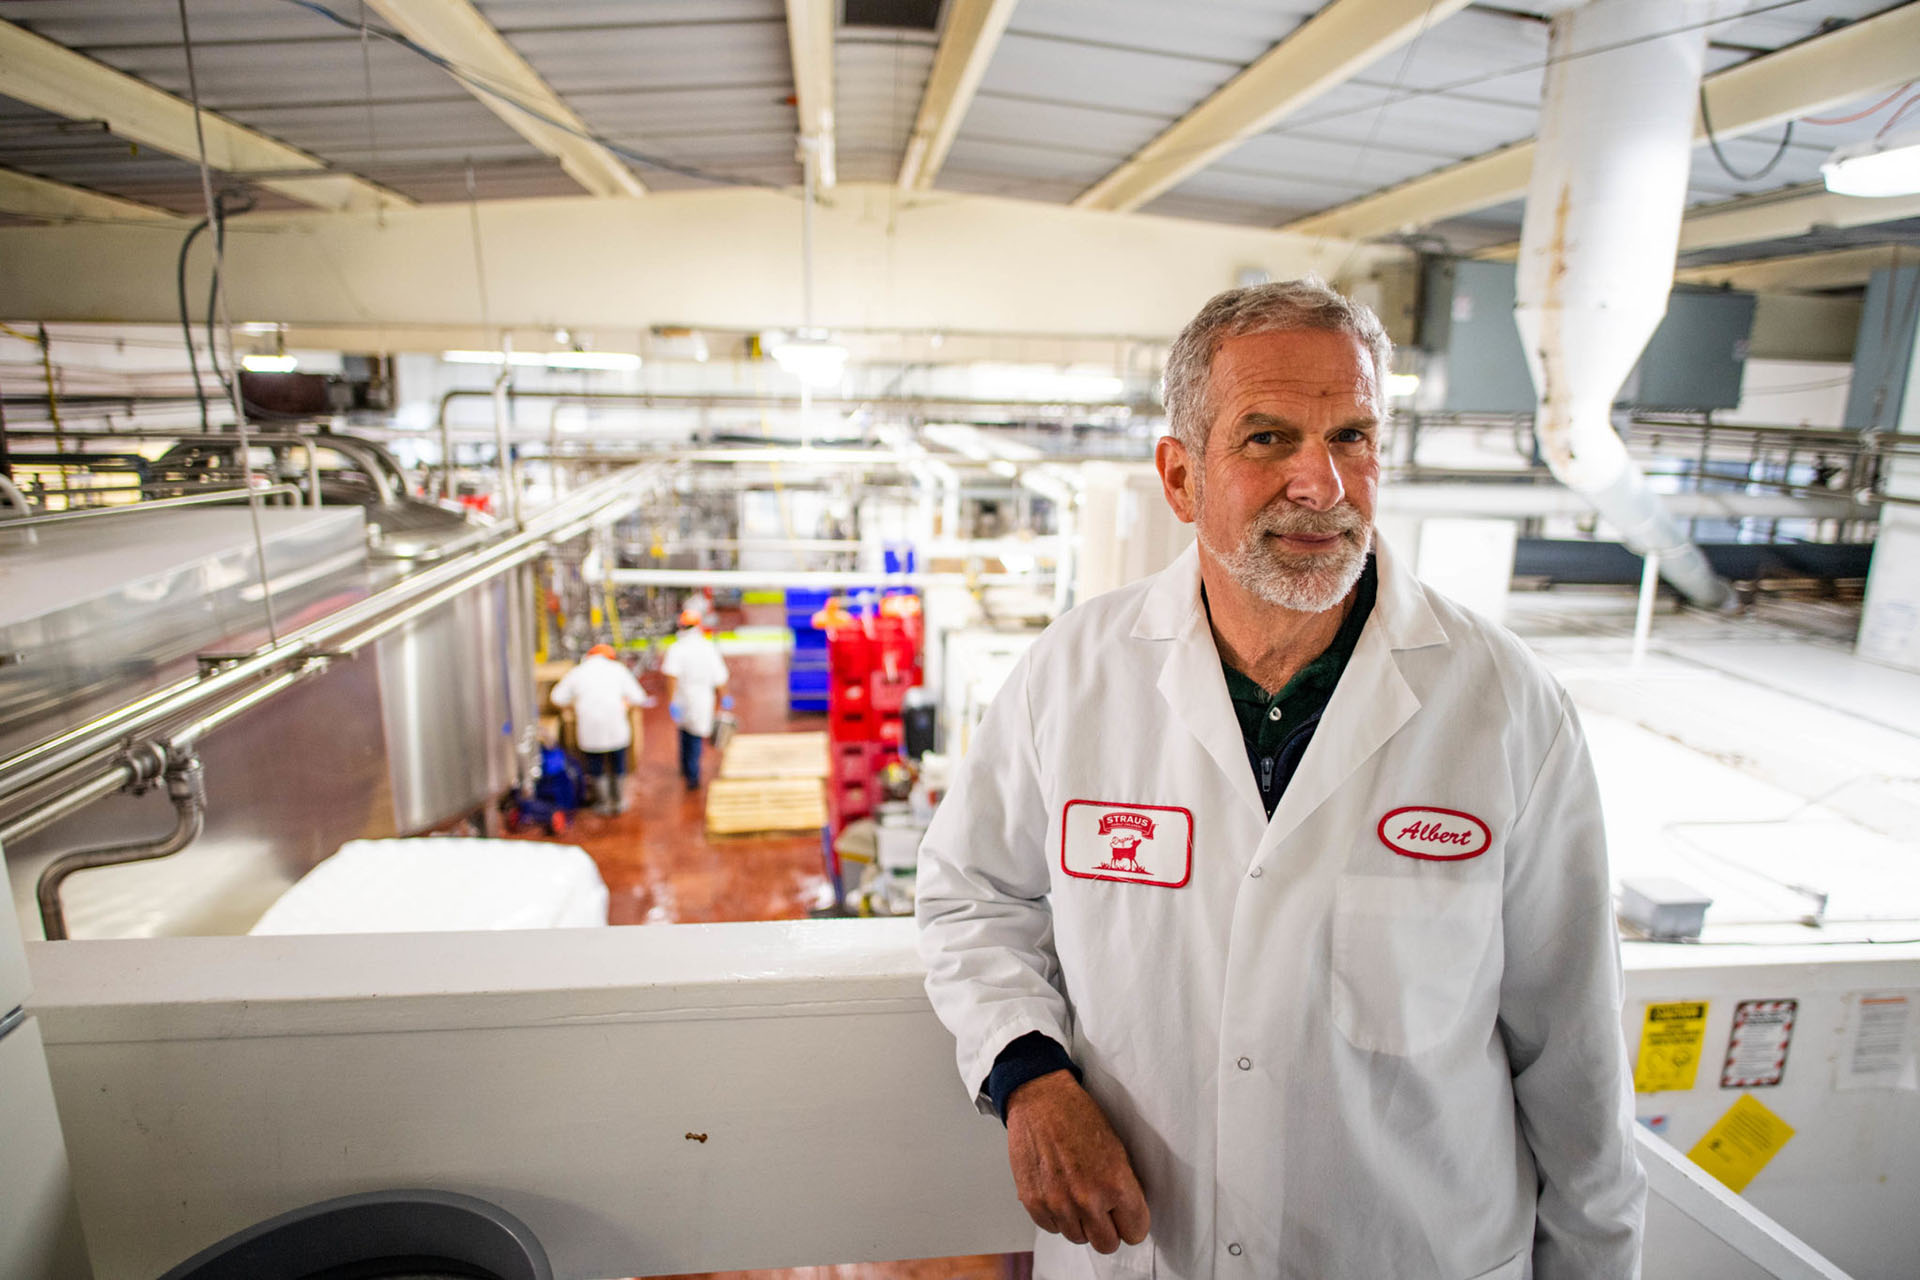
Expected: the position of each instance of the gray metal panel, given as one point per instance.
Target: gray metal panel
(1697, 358)
(1883, 353)
(1467, 324)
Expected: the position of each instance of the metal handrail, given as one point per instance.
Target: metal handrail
(155, 504)
(1749, 1232)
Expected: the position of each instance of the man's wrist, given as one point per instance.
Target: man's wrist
(1024, 1060)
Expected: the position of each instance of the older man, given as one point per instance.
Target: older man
(1270, 909)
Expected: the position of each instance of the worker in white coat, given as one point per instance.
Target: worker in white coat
(1270, 909)
(696, 678)
(602, 695)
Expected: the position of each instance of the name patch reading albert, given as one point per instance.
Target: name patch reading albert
(1434, 835)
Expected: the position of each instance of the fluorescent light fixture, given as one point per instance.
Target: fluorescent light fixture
(269, 364)
(815, 361)
(616, 360)
(583, 359)
(1400, 385)
(1877, 167)
(1002, 468)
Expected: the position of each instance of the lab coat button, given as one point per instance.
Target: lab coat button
(1246, 1064)
(1255, 873)
(1273, 713)
(1234, 1249)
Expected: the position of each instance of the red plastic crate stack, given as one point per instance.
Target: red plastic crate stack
(872, 662)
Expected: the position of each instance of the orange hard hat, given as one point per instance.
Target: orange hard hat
(689, 618)
(601, 651)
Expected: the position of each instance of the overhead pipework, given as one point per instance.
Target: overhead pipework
(1597, 248)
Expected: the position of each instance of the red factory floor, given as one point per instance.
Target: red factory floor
(662, 867)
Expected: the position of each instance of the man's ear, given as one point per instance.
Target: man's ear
(1176, 467)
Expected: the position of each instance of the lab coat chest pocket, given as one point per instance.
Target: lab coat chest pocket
(1406, 954)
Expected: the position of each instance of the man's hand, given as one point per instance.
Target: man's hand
(1071, 1171)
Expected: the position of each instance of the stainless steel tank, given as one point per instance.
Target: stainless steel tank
(432, 723)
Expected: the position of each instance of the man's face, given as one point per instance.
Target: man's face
(1283, 500)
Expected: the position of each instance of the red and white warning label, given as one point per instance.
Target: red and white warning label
(1757, 1048)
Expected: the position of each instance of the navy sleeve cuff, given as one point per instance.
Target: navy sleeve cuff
(1031, 1056)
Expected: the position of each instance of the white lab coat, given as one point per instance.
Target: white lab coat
(695, 663)
(600, 690)
(1328, 1061)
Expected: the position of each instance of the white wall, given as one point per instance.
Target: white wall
(207, 1083)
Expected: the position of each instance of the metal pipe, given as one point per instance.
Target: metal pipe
(1596, 250)
(722, 400)
(156, 504)
(186, 788)
(124, 773)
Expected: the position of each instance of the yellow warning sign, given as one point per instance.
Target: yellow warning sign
(1741, 1142)
(1670, 1041)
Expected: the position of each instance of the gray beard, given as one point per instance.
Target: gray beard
(1304, 584)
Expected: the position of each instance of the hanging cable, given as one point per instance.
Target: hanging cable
(239, 406)
(1858, 115)
(1779, 154)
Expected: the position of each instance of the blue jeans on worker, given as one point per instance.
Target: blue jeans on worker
(690, 745)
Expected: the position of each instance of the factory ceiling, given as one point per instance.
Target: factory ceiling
(1363, 119)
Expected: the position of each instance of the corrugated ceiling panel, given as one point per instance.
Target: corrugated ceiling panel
(1115, 133)
(1087, 75)
(624, 56)
(1229, 32)
(621, 113)
(523, 15)
(84, 24)
(879, 79)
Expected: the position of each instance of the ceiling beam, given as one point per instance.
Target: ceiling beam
(1778, 215)
(1324, 52)
(22, 195)
(1845, 65)
(54, 78)
(1803, 272)
(810, 26)
(971, 34)
(458, 32)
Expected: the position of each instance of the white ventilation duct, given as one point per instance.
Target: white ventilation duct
(1597, 248)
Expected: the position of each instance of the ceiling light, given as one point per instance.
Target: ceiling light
(1877, 167)
(269, 364)
(582, 359)
(546, 359)
(1400, 385)
(815, 361)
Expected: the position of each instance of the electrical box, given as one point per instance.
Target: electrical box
(1697, 358)
(1475, 361)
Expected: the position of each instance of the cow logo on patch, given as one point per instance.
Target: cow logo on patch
(1125, 832)
(1147, 844)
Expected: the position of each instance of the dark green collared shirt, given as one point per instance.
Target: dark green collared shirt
(1277, 727)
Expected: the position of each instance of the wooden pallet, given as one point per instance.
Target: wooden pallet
(775, 755)
(736, 806)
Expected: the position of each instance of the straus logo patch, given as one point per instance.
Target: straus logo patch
(1146, 844)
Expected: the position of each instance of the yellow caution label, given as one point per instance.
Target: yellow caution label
(1741, 1142)
(1670, 1041)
